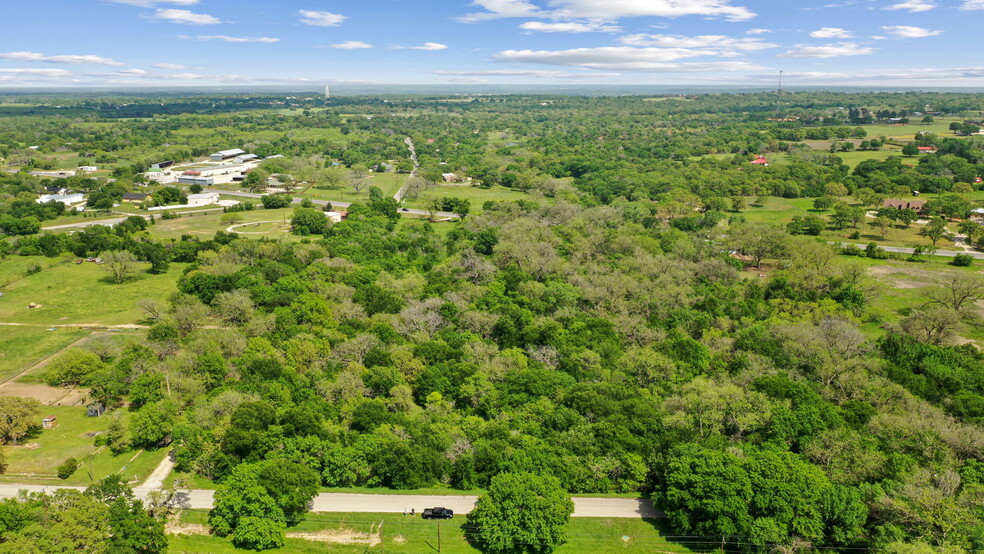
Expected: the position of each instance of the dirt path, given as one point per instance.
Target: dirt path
(413, 173)
(156, 479)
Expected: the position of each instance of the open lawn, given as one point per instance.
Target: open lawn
(37, 458)
(940, 126)
(476, 195)
(397, 533)
(388, 182)
(205, 225)
(22, 347)
(80, 294)
(780, 211)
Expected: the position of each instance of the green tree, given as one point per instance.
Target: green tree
(308, 221)
(121, 264)
(522, 512)
(291, 485)
(243, 501)
(910, 150)
(18, 416)
(275, 201)
(934, 230)
(153, 424)
(73, 368)
(757, 241)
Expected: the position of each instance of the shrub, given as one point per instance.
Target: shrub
(962, 260)
(67, 468)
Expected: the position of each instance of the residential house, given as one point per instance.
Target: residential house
(928, 149)
(759, 160)
(136, 198)
(916, 205)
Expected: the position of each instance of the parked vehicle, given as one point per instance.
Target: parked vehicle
(438, 513)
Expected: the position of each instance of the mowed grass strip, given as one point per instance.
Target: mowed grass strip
(352, 533)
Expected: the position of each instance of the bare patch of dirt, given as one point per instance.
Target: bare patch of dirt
(178, 528)
(338, 536)
(43, 393)
(400, 539)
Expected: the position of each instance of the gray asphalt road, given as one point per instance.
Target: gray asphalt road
(391, 503)
(944, 253)
(334, 203)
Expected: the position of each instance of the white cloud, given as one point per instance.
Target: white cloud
(610, 10)
(701, 41)
(351, 45)
(623, 58)
(537, 73)
(885, 75)
(152, 3)
(827, 50)
(758, 31)
(184, 17)
(913, 6)
(905, 31)
(227, 38)
(321, 19)
(429, 46)
(497, 9)
(972, 5)
(170, 66)
(831, 32)
(569, 27)
(36, 72)
(69, 58)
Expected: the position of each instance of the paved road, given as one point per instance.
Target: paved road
(389, 503)
(334, 203)
(905, 250)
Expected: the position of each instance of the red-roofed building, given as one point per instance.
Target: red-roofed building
(978, 180)
(759, 160)
(928, 150)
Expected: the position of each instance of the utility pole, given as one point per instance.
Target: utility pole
(438, 537)
(780, 83)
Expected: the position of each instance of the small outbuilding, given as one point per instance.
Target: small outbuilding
(135, 197)
(49, 422)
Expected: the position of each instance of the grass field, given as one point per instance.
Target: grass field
(69, 440)
(413, 534)
(205, 225)
(476, 195)
(22, 347)
(71, 293)
(388, 182)
(780, 211)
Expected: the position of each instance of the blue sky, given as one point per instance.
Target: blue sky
(120, 43)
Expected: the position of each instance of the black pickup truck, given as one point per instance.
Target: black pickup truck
(438, 513)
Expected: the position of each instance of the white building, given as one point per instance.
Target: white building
(88, 168)
(203, 199)
(67, 199)
(226, 154)
(203, 181)
(334, 217)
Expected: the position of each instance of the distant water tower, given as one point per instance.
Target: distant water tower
(327, 93)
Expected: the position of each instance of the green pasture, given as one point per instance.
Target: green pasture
(71, 293)
(780, 211)
(476, 195)
(205, 225)
(40, 455)
(389, 183)
(408, 534)
(22, 347)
